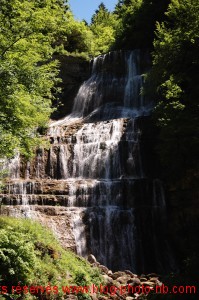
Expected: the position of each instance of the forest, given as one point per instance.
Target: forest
(33, 34)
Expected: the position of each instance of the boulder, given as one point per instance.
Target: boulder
(149, 283)
(117, 274)
(130, 273)
(104, 269)
(143, 279)
(154, 279)
(91, 258)
(135, 281)
(123, 279)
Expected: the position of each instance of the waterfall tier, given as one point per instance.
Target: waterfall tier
(97, 177)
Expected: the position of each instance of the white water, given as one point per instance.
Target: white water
(95, 168)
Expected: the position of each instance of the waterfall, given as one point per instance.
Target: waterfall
(96, 179)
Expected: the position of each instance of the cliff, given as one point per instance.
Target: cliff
(73, 72)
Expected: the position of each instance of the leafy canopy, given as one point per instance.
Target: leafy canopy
(103, 26)
(175, 79)
(29, 29)
(137, 19)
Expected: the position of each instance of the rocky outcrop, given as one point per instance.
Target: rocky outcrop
(73, 72)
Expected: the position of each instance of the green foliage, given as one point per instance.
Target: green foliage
(103, 26)
(174, 78)
(30, 254)
(31, 32)
(78, 37)
(137, 20)
(17, 257)
(27, 73)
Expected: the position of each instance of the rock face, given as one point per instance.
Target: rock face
(73, 72)
(96, 185)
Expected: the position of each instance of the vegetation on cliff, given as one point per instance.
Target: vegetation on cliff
(174, 81)
(104, 25)
(31, 256)
(137, 21)
(31, 32)
(28, 30)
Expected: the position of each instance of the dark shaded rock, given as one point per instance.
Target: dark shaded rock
(148, 283)
(91, 258)
(143, 279)
(117, 274)
(103, 269)
(129, 273)
(153, 275)
(135, 281)
(154, 279)
(123, 279)
(73, 72)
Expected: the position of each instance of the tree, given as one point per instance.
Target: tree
(104, 26)
(100, 15)
(28, 35)
(78, 36)
(175, 79)
(137, 22)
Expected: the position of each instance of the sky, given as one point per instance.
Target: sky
(84, 9)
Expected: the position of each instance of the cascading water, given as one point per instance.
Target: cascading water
(96, 172)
